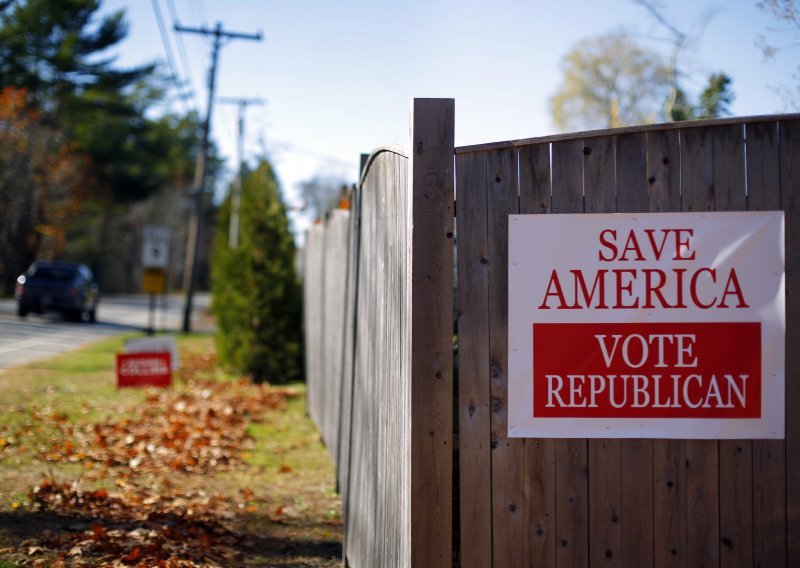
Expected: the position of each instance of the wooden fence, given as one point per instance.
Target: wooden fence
(537, 502)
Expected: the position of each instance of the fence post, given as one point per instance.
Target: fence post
(432, 125)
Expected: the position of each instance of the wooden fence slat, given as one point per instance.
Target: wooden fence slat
(697, 170)
(669, 456)
(572, 503)
(735, 456)
(768, 512)
(393, 440)
(763, 167)
(702, 503)
(702, 465)
(736, 504)
(727, 143)
(474, 439)
(572, 506)
(605, 537)
(669, 503)
(636, 468)
(789, 143)
(431, 178)
(381, 315)
(539, 489)
(540, 502)
(663, 170)
(636, 456)
(360, 500)
(508, 518)
(349, 331)
(313, 274)
(334, 292)
(599, 176)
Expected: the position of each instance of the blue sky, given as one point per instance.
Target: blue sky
(339, 75)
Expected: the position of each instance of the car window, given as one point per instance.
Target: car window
(59, 274)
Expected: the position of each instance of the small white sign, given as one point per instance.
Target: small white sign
(160, 344)
(651, 325)
(155, 247)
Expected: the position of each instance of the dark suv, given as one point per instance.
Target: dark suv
(65, 287)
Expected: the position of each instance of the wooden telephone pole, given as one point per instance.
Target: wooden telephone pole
(198, 211)
(236, 194)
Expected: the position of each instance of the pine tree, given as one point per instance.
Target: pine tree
(255, 288)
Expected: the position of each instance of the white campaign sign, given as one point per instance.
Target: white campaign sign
(651, 325)
(159, 344)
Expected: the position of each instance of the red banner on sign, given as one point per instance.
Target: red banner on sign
(647, 370)
(143, 370)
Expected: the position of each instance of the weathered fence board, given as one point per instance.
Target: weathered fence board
(572, 503)
(473, 363)
(669, 456)
(334, 290)
(702, 465)
(539, 490)
(538, 502)
(432, 189)
(789, 144)
(313, 290)
(347, 342)
(507, 454)
(378, 521)
(636, 456)
(735, 456)
(599, 178)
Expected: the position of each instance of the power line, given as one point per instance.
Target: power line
(291, 148)
(168, 51)
(187, 69)
(196, 13)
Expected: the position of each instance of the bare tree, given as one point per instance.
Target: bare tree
(680, 42)
(786, 36)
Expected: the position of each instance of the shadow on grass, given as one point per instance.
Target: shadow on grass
(16, 527)
(264, 543)
(291, 542)
(329, 552)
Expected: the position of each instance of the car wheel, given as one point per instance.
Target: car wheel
(21, 311)
(92, 316)
(75, 315)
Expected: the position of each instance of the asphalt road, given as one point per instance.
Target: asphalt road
(23, 340)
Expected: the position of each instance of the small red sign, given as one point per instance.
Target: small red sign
(143, 370)
(647, 370)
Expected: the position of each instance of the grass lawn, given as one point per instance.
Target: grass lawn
(214, 471)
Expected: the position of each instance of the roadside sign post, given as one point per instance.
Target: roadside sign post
(155, 260)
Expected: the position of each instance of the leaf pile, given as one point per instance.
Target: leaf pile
(199, 429)
(135, 527)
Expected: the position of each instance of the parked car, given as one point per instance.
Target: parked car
(66, 287)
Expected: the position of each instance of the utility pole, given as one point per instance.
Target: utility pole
(198, 211)
(236, 194)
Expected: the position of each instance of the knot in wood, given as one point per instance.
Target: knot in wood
(497, 405)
